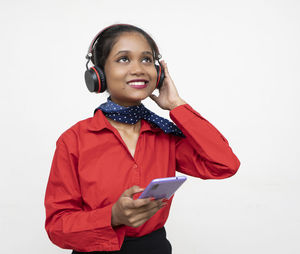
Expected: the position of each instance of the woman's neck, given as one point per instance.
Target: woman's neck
(124, 126)
(125, 103)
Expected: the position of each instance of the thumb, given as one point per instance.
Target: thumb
(153, 97)
(131, 191)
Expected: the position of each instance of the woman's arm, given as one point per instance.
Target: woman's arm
(204, 152)
(67, 224)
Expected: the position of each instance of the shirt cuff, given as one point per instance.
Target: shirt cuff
(114, 235)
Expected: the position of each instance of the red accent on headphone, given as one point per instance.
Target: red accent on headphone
(99, 80)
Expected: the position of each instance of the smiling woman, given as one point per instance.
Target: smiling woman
(102, 162)
(129, 68)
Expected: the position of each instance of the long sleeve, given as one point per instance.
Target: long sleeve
(204, 152)
(68, 224)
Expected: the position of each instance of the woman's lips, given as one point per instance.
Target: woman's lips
(138, 84)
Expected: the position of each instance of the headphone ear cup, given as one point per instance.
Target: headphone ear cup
(95, 80)
(160, 76)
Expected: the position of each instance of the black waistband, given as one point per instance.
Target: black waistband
(159, 233)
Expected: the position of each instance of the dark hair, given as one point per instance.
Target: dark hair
(108, 38)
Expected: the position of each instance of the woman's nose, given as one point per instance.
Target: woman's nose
(137, 68)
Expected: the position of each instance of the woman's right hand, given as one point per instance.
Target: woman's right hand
(134, 213)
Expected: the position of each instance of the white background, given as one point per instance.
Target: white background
(235, 62)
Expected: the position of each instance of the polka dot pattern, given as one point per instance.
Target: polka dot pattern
(131, 115)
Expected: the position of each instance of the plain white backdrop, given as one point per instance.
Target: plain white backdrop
(235, 62)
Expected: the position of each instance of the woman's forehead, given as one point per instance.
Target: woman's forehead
(132, 42)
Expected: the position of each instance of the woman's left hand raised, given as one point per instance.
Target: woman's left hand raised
(168, 97)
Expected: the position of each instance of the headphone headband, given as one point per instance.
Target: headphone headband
(90, 50)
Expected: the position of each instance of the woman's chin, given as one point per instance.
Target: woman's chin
(135, 98)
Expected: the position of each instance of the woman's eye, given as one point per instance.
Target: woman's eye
(123, 59)
(147, 60)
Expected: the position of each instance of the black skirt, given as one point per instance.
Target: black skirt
(153, 243)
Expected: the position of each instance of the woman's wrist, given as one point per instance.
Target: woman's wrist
(177, 103)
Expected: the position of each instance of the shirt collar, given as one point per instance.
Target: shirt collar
(99, 122)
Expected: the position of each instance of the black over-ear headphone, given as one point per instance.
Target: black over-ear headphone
(95, 77)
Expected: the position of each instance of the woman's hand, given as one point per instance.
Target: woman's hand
(134, 213)
(168, 97)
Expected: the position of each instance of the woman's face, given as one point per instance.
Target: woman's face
(129, 70)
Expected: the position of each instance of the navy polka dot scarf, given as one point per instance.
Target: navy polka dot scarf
(133, 114)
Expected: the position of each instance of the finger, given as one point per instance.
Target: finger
(165, 66)
(147, 205)
(131, 191)
(141, 218)
(142, 202)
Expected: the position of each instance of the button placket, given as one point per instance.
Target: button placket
(136, 174)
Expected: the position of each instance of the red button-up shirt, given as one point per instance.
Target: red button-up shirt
(92, 167)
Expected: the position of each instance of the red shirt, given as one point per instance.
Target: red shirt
(92, 167)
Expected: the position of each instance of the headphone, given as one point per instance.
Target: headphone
(95, 77)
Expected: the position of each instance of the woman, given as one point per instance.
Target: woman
(103, 162)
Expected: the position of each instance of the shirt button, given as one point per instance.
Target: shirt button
(134, 166)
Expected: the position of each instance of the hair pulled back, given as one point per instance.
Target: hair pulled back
(108, 38)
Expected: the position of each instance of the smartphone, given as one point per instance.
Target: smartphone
(163, 187)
